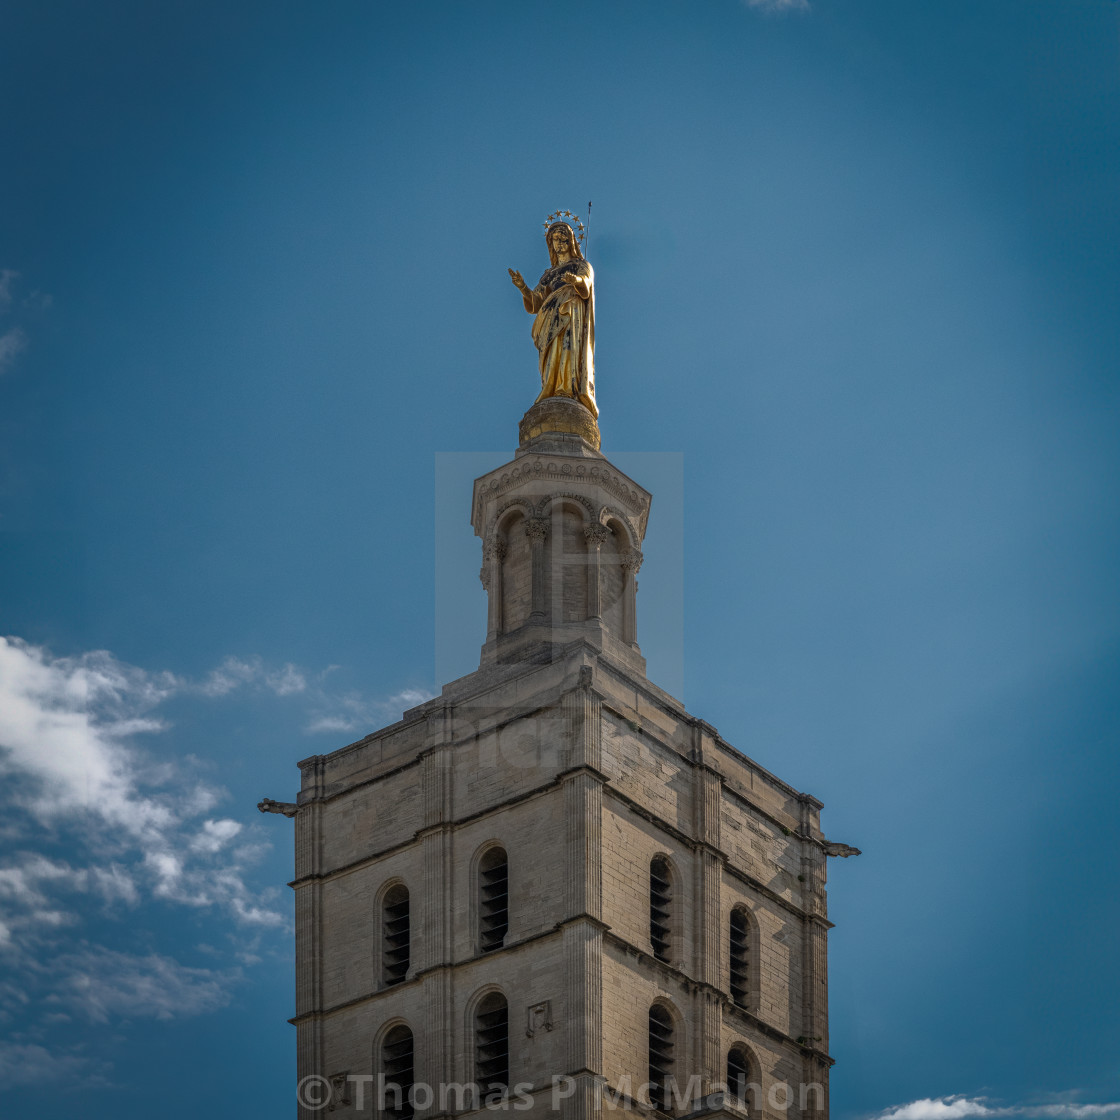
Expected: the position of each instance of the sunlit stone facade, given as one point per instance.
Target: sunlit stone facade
(664, 896)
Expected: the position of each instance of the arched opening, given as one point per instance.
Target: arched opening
(661, 1056)
(491, 1041)
(741, 1083)
(739, 957)
(493, 899)
(612, 580)
(396, 935)
(397, 1069)
(566, 563)
(516, 590)
(660, 907)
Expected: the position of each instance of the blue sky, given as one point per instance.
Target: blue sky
(857, 276)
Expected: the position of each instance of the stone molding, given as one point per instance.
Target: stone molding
(556, 469)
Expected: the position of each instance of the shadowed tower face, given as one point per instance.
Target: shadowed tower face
(552, 883)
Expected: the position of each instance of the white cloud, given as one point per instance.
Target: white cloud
(12, 342)
(63, 725)
(236, 672)
(350, 712)
(286, 681)
(938, 1108)
(215, 835)
(74, 767)
(67, 727)
(38, 301)
(23, 1063)
(778, 5)
(959, 1106)
(7, 277)
(101, 984)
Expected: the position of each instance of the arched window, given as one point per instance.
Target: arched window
(493, 899)
(740, 957)
(491, 1043)
(395, 935)
(660, 1055)
(660, 900)
(739, 1075)
(397, 1069)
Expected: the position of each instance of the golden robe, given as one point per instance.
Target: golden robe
(564, 332)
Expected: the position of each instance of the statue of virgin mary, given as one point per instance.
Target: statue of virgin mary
(563, 303)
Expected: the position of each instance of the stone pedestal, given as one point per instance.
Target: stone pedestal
(559, 416)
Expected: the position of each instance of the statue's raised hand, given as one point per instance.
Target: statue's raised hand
(515, 276)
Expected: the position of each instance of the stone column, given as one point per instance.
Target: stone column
(595, 535)
(631, 563)
(491, 575)
(536, 529)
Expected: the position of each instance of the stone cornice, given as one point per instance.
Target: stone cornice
(553, 784)
(562, 469)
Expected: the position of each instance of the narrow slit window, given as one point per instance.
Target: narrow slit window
(660, 1055)
(493, 902)
(397, 1066)
(660, 901)
(396, 936)
(740, 957)
(491, 1031)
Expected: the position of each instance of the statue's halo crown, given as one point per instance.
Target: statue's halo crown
(568, 218)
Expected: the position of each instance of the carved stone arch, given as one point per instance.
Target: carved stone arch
(384, 1029)
(614, 519)
(477, 996)
(501, 517)
(545, 504)
(386, 887)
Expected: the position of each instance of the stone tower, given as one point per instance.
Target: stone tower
(551, 882)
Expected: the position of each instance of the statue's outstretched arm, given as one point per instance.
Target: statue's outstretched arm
(528, 296)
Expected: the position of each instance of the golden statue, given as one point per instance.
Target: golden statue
(564, 328)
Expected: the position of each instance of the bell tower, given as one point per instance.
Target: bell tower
(551, 889)
(562, 533)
